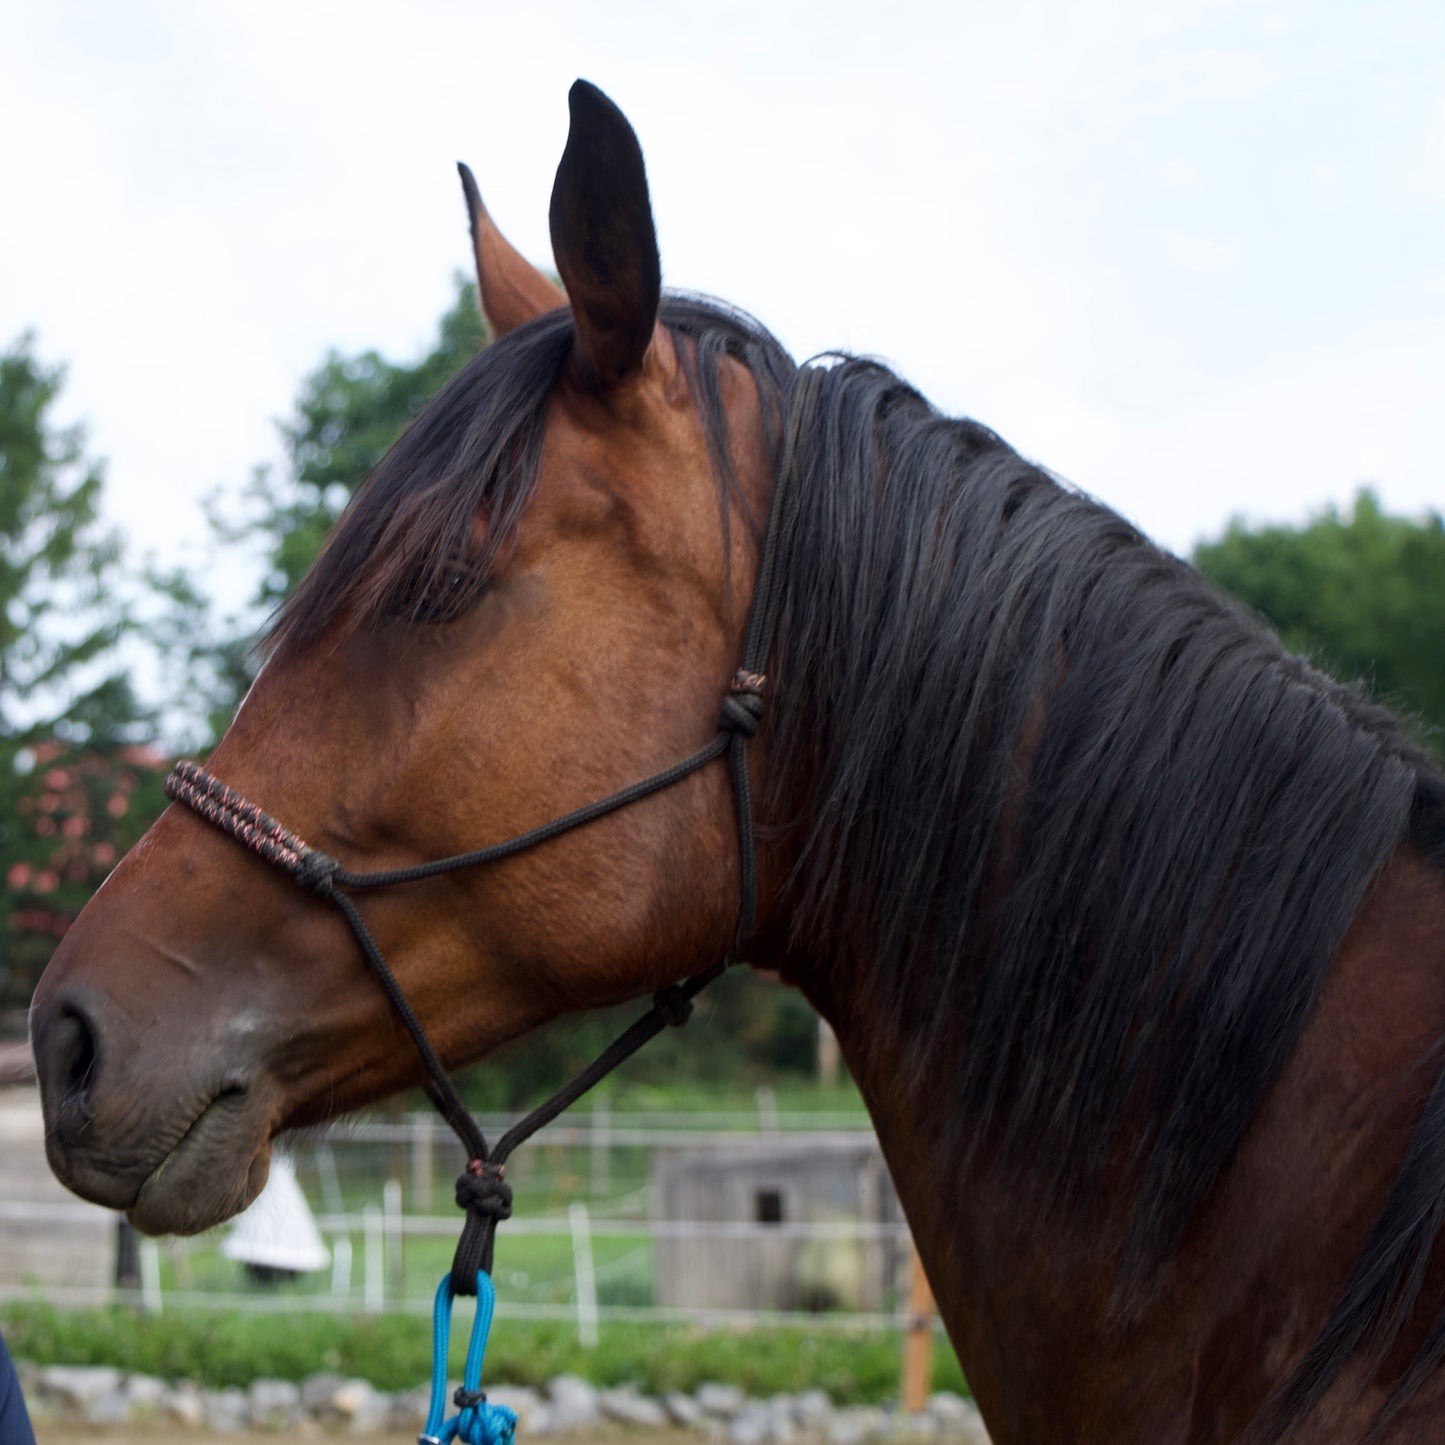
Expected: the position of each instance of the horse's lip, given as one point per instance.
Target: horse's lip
(216, 1168)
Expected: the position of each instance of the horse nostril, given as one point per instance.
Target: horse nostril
(70, 1056)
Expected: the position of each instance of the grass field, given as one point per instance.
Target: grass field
(220, 1348)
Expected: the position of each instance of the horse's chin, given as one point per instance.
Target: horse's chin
(219, 1166)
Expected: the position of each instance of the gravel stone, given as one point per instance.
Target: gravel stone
(524, 1402)
(721, 1413)
(361, 1405)
(856, 1423)
(752, 1425)
(919, 1425)
(627, 1407)
(317, 1392)
(682, 1409)
(720, 1401)
(947, 1406)
(183, 1404)
(144, 1396)
(78, 1388)
(226, 1410)
(811, 1407)
(406, 1410)
(275, 1404)
(573, 1403)
(762, 1422)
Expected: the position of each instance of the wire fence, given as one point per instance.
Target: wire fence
(763, 1217)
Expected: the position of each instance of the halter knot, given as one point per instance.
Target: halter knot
(317, 871)
(673, 1004)
(742, 706)
(483, 1190)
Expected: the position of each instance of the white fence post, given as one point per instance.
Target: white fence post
(392, 1227)
(341, 1267)
(767, 1102)
(581, 1223)
(373, 1287)
(150, 1276)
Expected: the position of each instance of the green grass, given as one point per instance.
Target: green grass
(393, 1352)
(530, 1269)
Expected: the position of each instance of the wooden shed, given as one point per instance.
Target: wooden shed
(786, 1221)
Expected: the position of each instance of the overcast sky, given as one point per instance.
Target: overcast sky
(1189, 255)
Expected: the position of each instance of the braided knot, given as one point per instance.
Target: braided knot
(483, 1190)
(673, 1004)
(742, 706)
(485, 1424)
(316, 871)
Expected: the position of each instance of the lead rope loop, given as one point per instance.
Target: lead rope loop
(478, 1421)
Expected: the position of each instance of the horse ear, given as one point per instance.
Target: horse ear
(510, 290)
(603, 238)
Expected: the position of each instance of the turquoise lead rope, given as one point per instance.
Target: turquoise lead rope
(479, 1422)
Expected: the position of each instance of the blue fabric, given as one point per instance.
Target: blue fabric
(14, 1418)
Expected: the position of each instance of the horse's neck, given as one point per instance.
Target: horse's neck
(1028, 1307)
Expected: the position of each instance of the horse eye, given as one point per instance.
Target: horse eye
(445, 595)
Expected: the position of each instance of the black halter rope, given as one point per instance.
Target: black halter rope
(482, 1190)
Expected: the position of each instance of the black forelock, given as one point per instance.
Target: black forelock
(474, 450)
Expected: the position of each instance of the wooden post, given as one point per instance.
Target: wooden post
(917, 1338)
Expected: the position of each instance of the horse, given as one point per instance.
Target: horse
(1131, 926)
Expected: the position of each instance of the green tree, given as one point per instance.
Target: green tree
(351, 409)
(1361, 593)
(348, 413)
(63, 690)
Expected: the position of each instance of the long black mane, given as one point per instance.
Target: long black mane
(1105, 834)
(1094, 834)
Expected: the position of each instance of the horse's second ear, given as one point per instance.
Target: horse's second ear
(603, 239)
(510, 290)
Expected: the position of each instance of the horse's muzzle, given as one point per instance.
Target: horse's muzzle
(170, 1139)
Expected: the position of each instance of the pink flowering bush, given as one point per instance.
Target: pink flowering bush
(76, 814)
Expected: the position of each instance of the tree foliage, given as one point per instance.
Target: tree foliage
(348, 413)
(67, 711)
(81, 807)
(1361, 593)
(350, 410)
(59, 620)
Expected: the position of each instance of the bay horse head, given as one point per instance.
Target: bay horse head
(539, 597)
(1131, 926)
